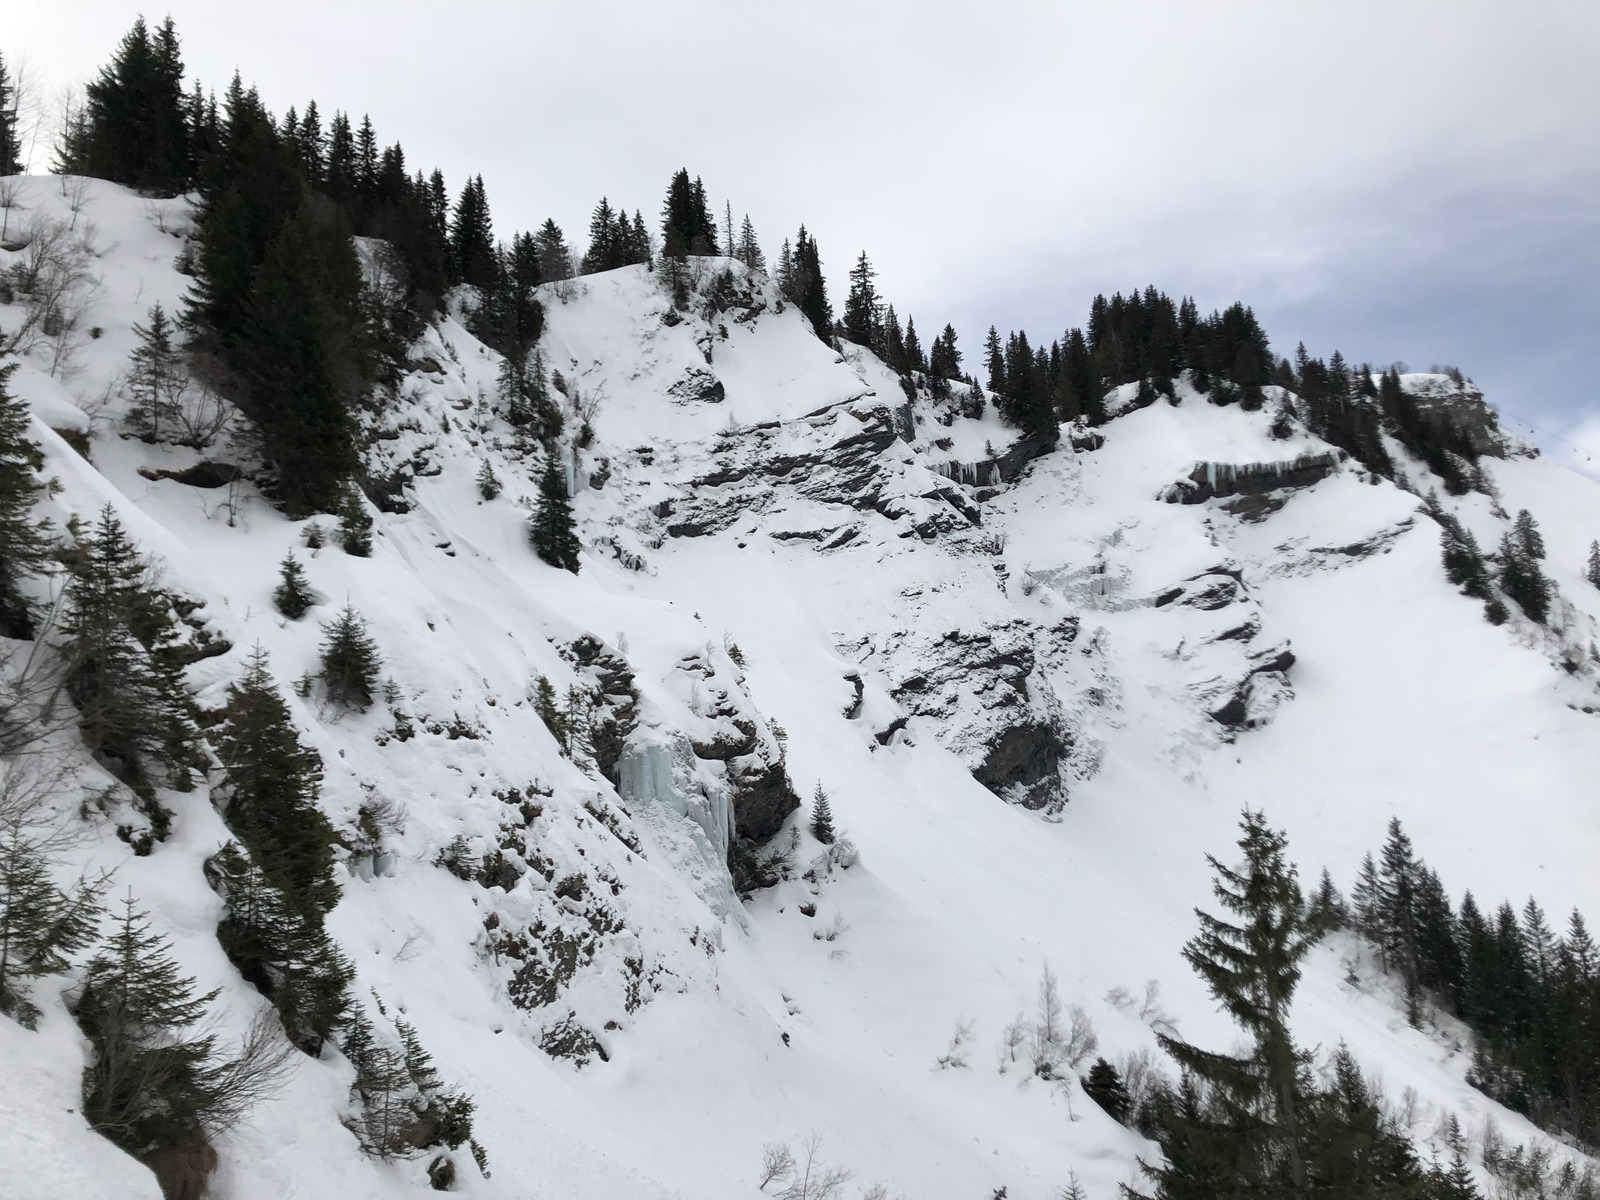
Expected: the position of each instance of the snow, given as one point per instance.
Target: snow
(1401, 701)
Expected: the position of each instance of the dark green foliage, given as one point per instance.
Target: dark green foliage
(686, 224)
(157, 378)
(134, 128)
(305, 351)
(551, 530)
(1532, 999)
(614, 241)
(155, 1086)
(488, 482)
(292, 597)
(40, 924)
(822, 817)
(526, 396)
(10, 138)
(271, 782)
(24, 545)
(1026, 390)
(1104, 1086)
(350, 661)
(1591, 571)
(863, 308)
(801, 282)
(1328, 910)
(944, 360)
(550, 247)
(355, 523)
(1336, 409)
(404, 1106)
(748, 249)
(1463, 561)
(549, 710)
(1520, 576)
(124, 671)
(281, 949)
(472, 236)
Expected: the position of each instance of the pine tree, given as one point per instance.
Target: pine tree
(272, 783)
(1464, 564)
(552, 530)
(1328, 909)
(488, 481)
(10, 136)
(40, 924)
(24, 544)
(545, 704)
(807, 288)
(1394, 926)
(1252, 1114)
(944, 360)
(472, 237)
(822, 817)
(1104, 1086)
(154, 1086)
(862, 309)
(1592, 571)
(555, 260)
(293, 596)
(355, 523)
(157, 379)
(281, 950)
(123, 673)
(685, 218)
(350, 661)
(1520, 576)
(133, 129)
(748, 250)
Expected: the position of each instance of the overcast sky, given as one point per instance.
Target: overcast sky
(1400, 180)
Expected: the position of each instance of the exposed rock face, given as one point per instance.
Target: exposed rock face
(1460, 405)
(1209, 481)
(993, 707)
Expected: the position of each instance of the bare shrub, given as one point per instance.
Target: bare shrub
(955, 1054)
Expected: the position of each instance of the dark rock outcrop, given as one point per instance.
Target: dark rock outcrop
(1209, 481)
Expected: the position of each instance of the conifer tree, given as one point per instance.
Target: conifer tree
(281, 950)
(555, 260)
(807, 289)
(1592, 570)
(686, 219)
(1252, 1125)
(157, 378)
(272, 782)
(552, 530)
(472, 236)
(1104, 1086)
(24, 546)
(1464, 565)
(350, 661)
(10, 136)
(821, 817)
(862, 309)
(748, 250)
(133, 128)
(155, 1086)
(40, 924)
(912, 348)
(355, 523)
(293, 596)
(545, 704)
(488, 482)
(123, 674)
(944, 359)
(1520, 576)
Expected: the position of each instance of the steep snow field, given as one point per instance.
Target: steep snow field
(713, 521)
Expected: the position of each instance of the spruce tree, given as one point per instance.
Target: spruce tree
(1248, 1116)
(555, 260)
(122, 669)
(748, 250)
(1104, 1086)
(472, 237)
(293, 596)
(1520, 576)
(271, 782)
(862, 309)
(10, 136)
(154, 1085)
(807, 288)
(281, 950)
(40, 924)
(552, 530)
(24, 545)
(133, 129)
(488, 482)
(1592, 570)
(355, 523)
(157, 379)
(822, 817)
(350, 661)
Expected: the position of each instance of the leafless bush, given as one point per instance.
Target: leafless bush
(808, 1178)
(777, 1163)
(1142, 1078)
(57, 288)
(955, 1054)
(1012, 1039)
(832, 932)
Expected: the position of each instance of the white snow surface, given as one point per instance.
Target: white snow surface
(750, 1027)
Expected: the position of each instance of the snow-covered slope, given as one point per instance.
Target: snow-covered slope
(1036, 693)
